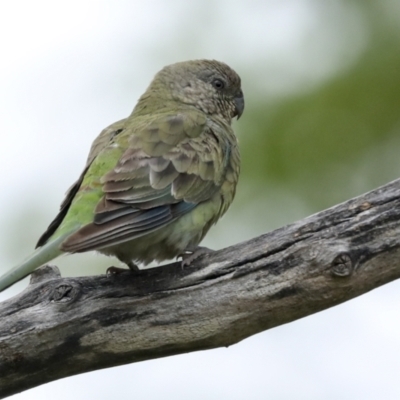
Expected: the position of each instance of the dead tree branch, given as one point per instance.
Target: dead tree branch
(60, 327)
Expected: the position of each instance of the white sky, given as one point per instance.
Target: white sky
(71, 68)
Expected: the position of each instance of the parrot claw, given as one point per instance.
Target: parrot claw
(195, 253)
(117, 270)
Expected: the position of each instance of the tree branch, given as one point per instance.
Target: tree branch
(60, 327)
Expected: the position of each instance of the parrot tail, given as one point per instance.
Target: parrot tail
(39, 257)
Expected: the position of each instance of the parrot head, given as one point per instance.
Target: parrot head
(209, 85)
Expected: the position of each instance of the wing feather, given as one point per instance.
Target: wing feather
(166, 169)
(102, 141)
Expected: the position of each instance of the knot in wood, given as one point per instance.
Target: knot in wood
(342, 265)
(64, 293)
(365, 206)
(45, 273)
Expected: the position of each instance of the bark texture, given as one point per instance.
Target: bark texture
(60, 327)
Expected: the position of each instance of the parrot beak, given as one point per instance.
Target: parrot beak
(239, 105)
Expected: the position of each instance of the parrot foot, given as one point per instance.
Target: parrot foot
(187, 259)
(117, 270)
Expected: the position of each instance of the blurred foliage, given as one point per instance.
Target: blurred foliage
(314, 141)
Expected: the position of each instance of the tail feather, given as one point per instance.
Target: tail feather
(42, 255)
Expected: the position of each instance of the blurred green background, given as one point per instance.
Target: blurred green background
(321, 143)
(322, 124)
(334, 140)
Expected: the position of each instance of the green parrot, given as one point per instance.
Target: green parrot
(155, 182)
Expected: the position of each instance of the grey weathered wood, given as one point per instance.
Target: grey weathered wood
(60, 327)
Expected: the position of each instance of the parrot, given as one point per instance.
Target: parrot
(155, 182)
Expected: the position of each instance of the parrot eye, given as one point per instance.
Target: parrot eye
(218, 83)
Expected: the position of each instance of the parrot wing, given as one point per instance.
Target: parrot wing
(167, 167)
(101, 142)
